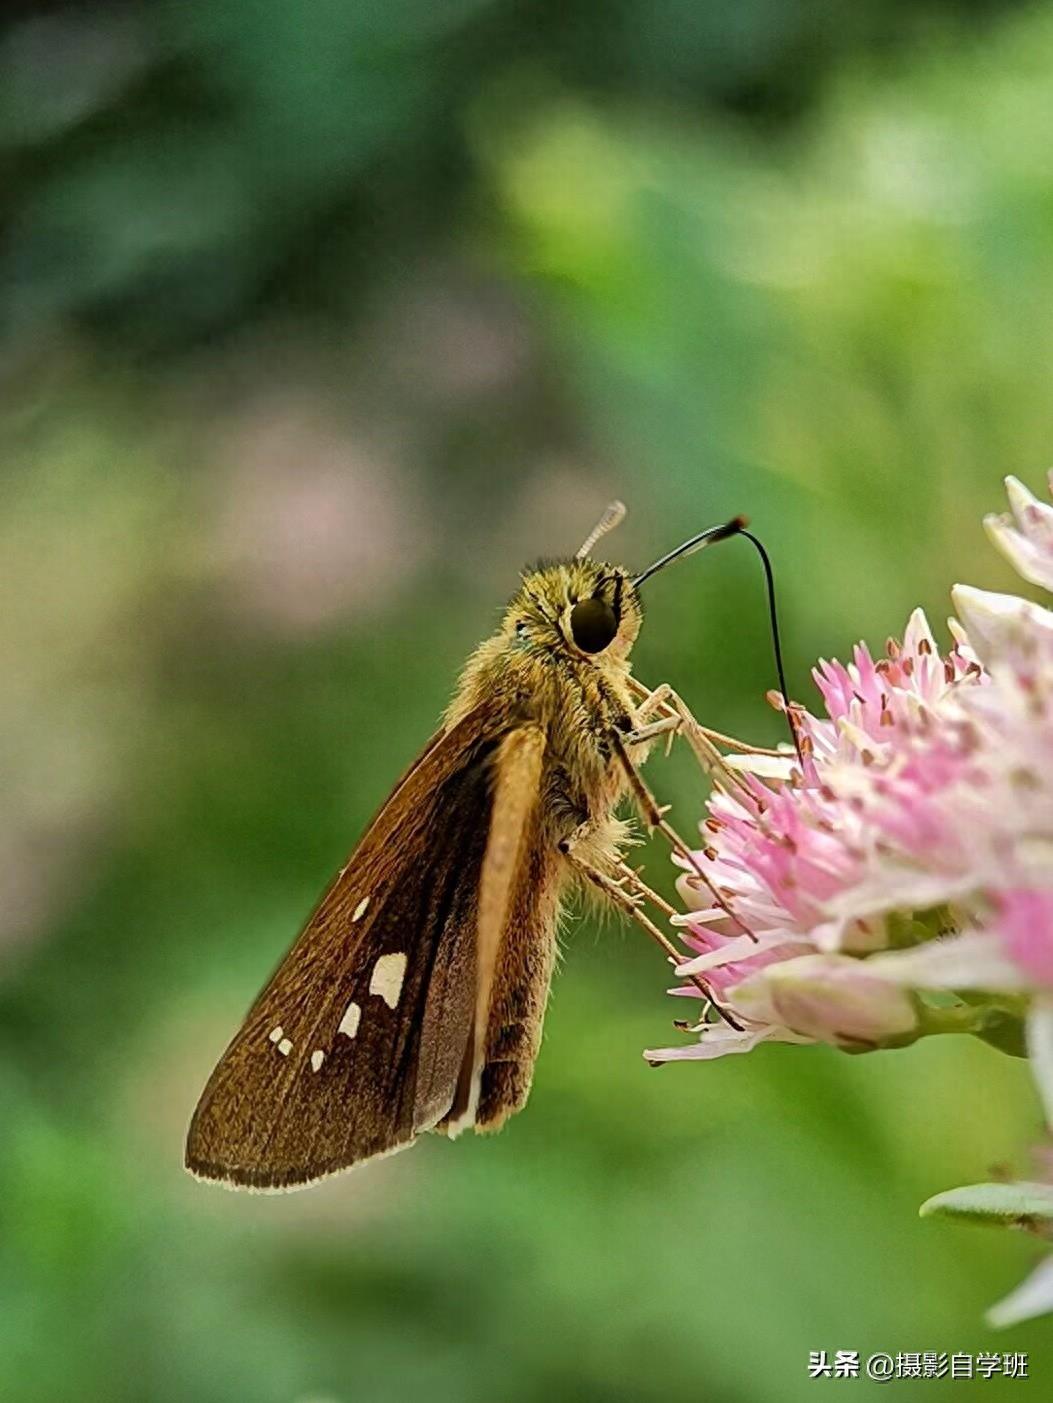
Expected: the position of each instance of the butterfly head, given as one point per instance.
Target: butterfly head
(583, 607)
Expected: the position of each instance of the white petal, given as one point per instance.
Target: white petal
(997, 623)
(1034, 1296)
(717, 1041)
(893, 887)
(1040, 1051)
(766, 766)
(742, 947)
(694, 896)
(974, 960)
(1029, 558)
(711, 916)
(1024, 503)
(916, 630)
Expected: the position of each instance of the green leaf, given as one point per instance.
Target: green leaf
(1016, 1205)
(1004, 1031)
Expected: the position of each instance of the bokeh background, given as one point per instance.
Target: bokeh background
(317, 320)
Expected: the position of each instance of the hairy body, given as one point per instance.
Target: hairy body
(414, 997)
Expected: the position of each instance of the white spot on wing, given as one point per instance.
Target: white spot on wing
(285, 1047)
(360, 909)
(349, 1022)
(386, 979)
(317, 1058)
(276, 1034)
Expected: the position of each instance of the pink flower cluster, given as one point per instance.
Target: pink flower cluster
(911, 850)
(914, 848)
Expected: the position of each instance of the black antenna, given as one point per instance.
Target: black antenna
(737, 527)
(773, 616)
(708, 537)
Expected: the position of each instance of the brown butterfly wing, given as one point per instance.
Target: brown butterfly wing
(327, 1069)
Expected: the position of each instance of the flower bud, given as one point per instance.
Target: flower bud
(831, 998)
(1001, 625)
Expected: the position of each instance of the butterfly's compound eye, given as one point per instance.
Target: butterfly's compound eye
(593, 624)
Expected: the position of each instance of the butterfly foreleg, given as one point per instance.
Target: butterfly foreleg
(674, 717)
(651, 703)
(668, 726)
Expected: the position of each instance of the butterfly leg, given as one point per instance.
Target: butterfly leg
(652, 702)
(675, 715)
(655, 817)
(668, 726)
(678, 719)
(628, 901)
(632, 879)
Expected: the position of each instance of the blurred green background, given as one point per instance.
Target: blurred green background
(316, 321)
